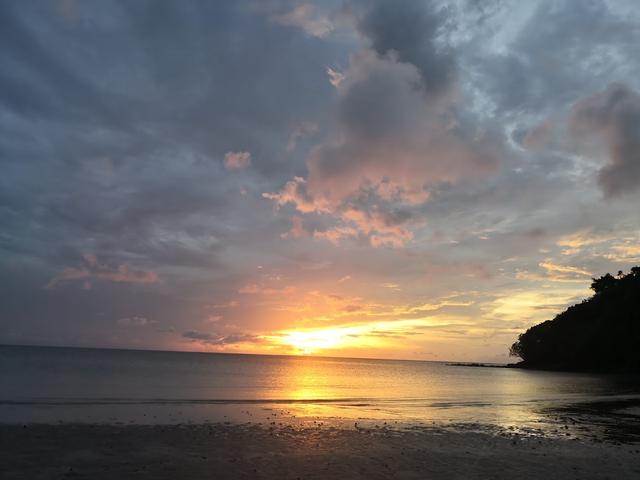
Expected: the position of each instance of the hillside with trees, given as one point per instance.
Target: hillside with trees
(601, 334)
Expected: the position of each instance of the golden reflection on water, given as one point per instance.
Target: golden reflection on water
(414, 391)
(308, 379)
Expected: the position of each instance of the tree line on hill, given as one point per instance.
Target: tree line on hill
(601, 333)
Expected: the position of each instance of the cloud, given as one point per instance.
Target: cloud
(219, 339)
(539, 137)
(255, 289)
(528, 305)
(583, 238)
(574, 243)
(300, 131)
(614, 115)
(384, 227)
(237, 160)
(627, 253)
(335, 234)
(409, 31)
(192, 334)
(398, 136)
(335, 77)
(135, 321)
(297, 229)
(229, 304)
(378, 221)
(554, 268)
(306, 17)
(92, 270)
(394, 143)
(294, 192)
(392, 139)
(418, 127)
(522, 75)
(398, 133)
(378, 232)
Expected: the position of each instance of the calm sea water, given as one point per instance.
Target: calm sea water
(39, 384)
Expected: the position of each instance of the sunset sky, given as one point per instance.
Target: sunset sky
(392, 179)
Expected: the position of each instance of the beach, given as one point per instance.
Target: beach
(226, 451)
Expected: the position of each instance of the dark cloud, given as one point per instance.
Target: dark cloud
(614, 115)
(409, 30)
(92, 269)
(562, 49)
(135, 321)
(215, 339)
(192, 334)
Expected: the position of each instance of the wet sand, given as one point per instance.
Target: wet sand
(273, 451)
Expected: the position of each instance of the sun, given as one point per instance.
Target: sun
(374, 335)
(310, 341)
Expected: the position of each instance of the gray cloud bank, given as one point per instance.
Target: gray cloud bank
(614, 116)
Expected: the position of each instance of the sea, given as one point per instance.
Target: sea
(78, 385)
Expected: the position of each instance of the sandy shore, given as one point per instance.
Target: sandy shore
(284, 452)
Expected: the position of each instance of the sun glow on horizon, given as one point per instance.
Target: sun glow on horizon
(375, 335)
(310, 341)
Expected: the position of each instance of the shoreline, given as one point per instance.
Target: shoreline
(604, 419)
(232, 450)
(547, 368)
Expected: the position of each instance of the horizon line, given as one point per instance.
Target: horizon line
(159, 350)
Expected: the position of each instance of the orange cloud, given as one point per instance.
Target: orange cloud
(584, 238)
(334, 235)
(294, 193)
(237, 160)
(551, 267)
(305, 17)
(624, 253)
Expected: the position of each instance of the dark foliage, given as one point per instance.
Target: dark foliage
(601, 333)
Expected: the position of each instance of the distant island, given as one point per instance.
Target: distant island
(600, 334)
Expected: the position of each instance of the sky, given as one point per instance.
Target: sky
(410, 179)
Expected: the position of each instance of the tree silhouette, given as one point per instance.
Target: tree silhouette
(601, 333)
(599, 285)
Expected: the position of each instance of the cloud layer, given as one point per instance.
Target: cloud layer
(422, 179)
(397, 131)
